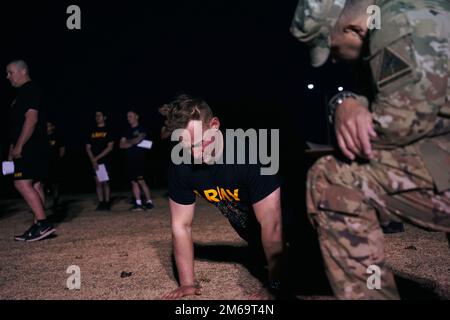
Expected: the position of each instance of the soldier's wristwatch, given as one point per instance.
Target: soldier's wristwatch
(337, 100)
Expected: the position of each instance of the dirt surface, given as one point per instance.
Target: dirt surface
(423, 257)
(127, 255)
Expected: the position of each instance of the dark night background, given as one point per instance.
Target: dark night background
(237, 55)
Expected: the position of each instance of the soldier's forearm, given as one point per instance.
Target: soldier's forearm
(339, 98)
(27, 132)
(184, 255)
(273, 248)
(104, 153)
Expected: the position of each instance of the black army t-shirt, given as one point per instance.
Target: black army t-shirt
(98, 138)
(28, 98)
(232, 188)
(135, 151)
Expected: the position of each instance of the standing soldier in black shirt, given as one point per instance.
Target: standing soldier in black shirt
(57, 153)
(249, 200)
(136, 161)
(29, 148)
(98, 148)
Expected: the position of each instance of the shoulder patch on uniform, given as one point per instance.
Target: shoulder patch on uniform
(393, 68)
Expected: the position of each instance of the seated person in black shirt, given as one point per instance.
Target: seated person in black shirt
(99, 146)
(29, 149)
(136, 161)
(249, 200)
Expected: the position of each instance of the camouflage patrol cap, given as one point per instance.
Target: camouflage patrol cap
(312, 24)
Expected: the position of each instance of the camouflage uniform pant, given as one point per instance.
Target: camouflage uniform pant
(346, 204)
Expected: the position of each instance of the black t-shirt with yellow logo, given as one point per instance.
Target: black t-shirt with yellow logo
(232, 188)
(99, 138)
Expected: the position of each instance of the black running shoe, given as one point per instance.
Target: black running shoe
(37, 231)
(137, 207)
(24, 236)
(148, 206)
(393, 227)
(43, 230)
(107, 206)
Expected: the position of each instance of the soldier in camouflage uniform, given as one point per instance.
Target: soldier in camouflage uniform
(399, 166)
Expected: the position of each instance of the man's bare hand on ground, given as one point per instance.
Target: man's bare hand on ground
(181, 292)
(354, 130)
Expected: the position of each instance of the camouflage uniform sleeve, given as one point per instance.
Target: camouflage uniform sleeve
(410, 70)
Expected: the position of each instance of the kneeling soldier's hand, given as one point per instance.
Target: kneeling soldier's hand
(354, 129)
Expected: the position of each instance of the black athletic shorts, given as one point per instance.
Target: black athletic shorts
(33, 165)
(136, 168)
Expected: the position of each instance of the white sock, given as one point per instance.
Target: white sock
(150, 201)
(139, 202)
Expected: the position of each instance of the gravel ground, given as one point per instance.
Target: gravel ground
(423, 257)
(125, 255)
